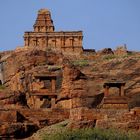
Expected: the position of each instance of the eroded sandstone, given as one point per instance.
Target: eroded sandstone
(52, 79)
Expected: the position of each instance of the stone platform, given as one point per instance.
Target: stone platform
(117, 102)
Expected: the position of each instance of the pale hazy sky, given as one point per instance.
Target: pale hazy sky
(105, 23)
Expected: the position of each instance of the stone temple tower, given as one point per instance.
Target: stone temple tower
(44, 36)
(44, 23)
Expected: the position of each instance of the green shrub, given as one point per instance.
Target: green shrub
(81, 63)
(91, 134)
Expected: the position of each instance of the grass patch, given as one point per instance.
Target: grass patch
(94, 69)
(91, 134)
(54, 68)
(2, 87)
(109, 57)
(118, 62)
(81, 63)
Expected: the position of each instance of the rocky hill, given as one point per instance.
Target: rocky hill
(78, 94)
(53, 79)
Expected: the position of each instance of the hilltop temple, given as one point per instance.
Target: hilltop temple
(45, 37)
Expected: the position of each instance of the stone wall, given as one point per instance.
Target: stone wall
(83, 113)
(70, 42)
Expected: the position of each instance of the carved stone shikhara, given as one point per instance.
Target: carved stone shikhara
(45, 37)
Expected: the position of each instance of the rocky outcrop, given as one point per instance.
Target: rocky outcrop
(79, 86)
(13, 125)
(121, 50)
(79, 90)
(20, 68)
(19, 65)
(106, 51)
(12, 100)
(74, 88)
(52, 78)
(22, 123)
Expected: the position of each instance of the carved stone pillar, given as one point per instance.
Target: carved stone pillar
(52, 102)
(53, 83)
(73, 44)
(106, 90)
(62, 42)
(46, 41)
(25, 42)
(122, 90)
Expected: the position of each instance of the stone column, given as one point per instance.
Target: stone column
(73, 44)
(106, 91)
(55, 42)
(46, 41)
(25, 42)
(52, 102)
(28, 44)
(33, 101)
(53, 84)
(122, 91)
(63, 49)
(61, 42)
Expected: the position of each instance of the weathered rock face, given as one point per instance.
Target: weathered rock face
(16, 67)
(17, 130)
(21, 64)
(76, 84)
(41, 85)
(20, 76)
(74, 91)
(22, 123)
(20, 68)
(13, 125)
(81, 89)
(44, 117)
(12, 99)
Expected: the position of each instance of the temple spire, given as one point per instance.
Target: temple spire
(44, 23)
